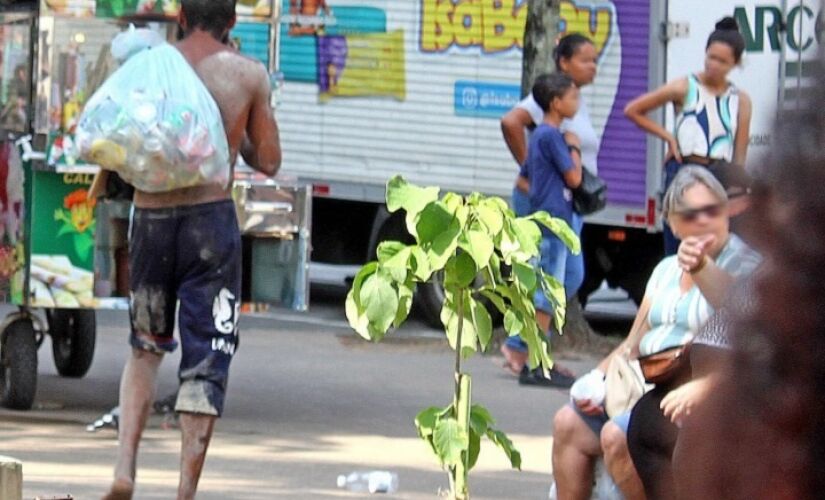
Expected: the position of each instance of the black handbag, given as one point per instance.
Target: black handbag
(591, 195)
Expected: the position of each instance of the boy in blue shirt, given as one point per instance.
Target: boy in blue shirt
(554, 168)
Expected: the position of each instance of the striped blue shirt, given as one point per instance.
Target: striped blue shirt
(676, 317)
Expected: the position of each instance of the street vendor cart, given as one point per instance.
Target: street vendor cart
(64, 255)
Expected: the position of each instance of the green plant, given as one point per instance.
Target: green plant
(484, 251)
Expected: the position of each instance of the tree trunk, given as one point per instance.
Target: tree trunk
(540, 32)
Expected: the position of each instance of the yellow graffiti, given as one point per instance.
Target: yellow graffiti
(493, 25)
(498, 25)
(594, 22)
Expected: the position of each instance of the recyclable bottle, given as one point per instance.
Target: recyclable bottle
(377, 481)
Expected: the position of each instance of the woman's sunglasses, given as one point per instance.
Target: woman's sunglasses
(711, 211)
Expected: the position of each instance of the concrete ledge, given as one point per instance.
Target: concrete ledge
(11, 479)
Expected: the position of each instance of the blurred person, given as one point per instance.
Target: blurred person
(681, 294)
(700, 275)
(759, 433)
(712, 114)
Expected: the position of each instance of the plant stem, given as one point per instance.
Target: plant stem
(460, 309)
(459, 473)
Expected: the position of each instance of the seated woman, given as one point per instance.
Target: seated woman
(681, 295)
(688, 286)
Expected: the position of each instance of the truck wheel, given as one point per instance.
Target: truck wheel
(73, 340)
(18, 370)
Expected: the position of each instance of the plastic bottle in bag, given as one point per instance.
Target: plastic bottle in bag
(377, 481)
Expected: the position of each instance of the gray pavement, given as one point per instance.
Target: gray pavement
(308, 400)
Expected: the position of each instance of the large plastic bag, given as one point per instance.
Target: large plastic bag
(155, 123)
(133, 40)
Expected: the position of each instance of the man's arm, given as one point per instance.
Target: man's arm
(261, 148)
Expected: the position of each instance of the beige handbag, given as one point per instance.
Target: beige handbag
(624, 384)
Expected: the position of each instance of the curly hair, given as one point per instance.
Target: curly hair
(762, 433)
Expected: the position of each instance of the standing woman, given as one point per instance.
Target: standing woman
(576, 56)
(712, 115)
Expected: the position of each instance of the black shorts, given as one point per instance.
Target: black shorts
(192, 255)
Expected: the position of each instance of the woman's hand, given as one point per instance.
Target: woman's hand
(587, 393)
(679, 403)
(693, 251)
(673, 149)
(588, 408)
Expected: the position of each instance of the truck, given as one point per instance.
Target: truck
(375, 88)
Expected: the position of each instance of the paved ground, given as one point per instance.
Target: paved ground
(308, 400)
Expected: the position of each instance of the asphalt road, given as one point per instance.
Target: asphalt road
(308, 400)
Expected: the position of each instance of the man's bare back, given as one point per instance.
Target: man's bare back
(240, 87)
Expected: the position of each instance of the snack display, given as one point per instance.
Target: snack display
(155, 123)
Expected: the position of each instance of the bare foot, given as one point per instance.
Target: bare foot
(122, 489)
(513, 360)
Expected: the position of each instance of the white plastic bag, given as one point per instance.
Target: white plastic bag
(589, 387)
(603, 486)
(155, 123)
(133, 40)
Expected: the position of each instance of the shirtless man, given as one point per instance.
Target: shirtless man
(185, 246)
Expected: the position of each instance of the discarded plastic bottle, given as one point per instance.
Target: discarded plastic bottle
(377, 481)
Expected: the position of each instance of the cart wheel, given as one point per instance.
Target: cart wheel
(18, 376)
(73, 340)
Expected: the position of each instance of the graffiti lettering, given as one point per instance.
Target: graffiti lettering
(493, 25)
(498, 25)
(595, 22)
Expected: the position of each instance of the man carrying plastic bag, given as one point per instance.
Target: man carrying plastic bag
(185, 244)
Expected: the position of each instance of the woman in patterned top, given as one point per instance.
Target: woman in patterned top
(712, 114)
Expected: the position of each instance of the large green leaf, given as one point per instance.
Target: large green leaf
(513, 323)
(526, 275)
(502, 441)
(426, 419)
(366, 271)
(450, 318)
(528, 235)
(480, 419)
(460, 271)
(420, 264)
(474, 449)
(357, 320)
(482, 322)
(435, 219)
(380, 302)
(494, 299)
(479, 245)
(450, 440)
(443, 246)
(406, 291)
(388, 249)
(554, 291)
(401, 194)
(560, 228)
(491, 217)
(411, 198)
